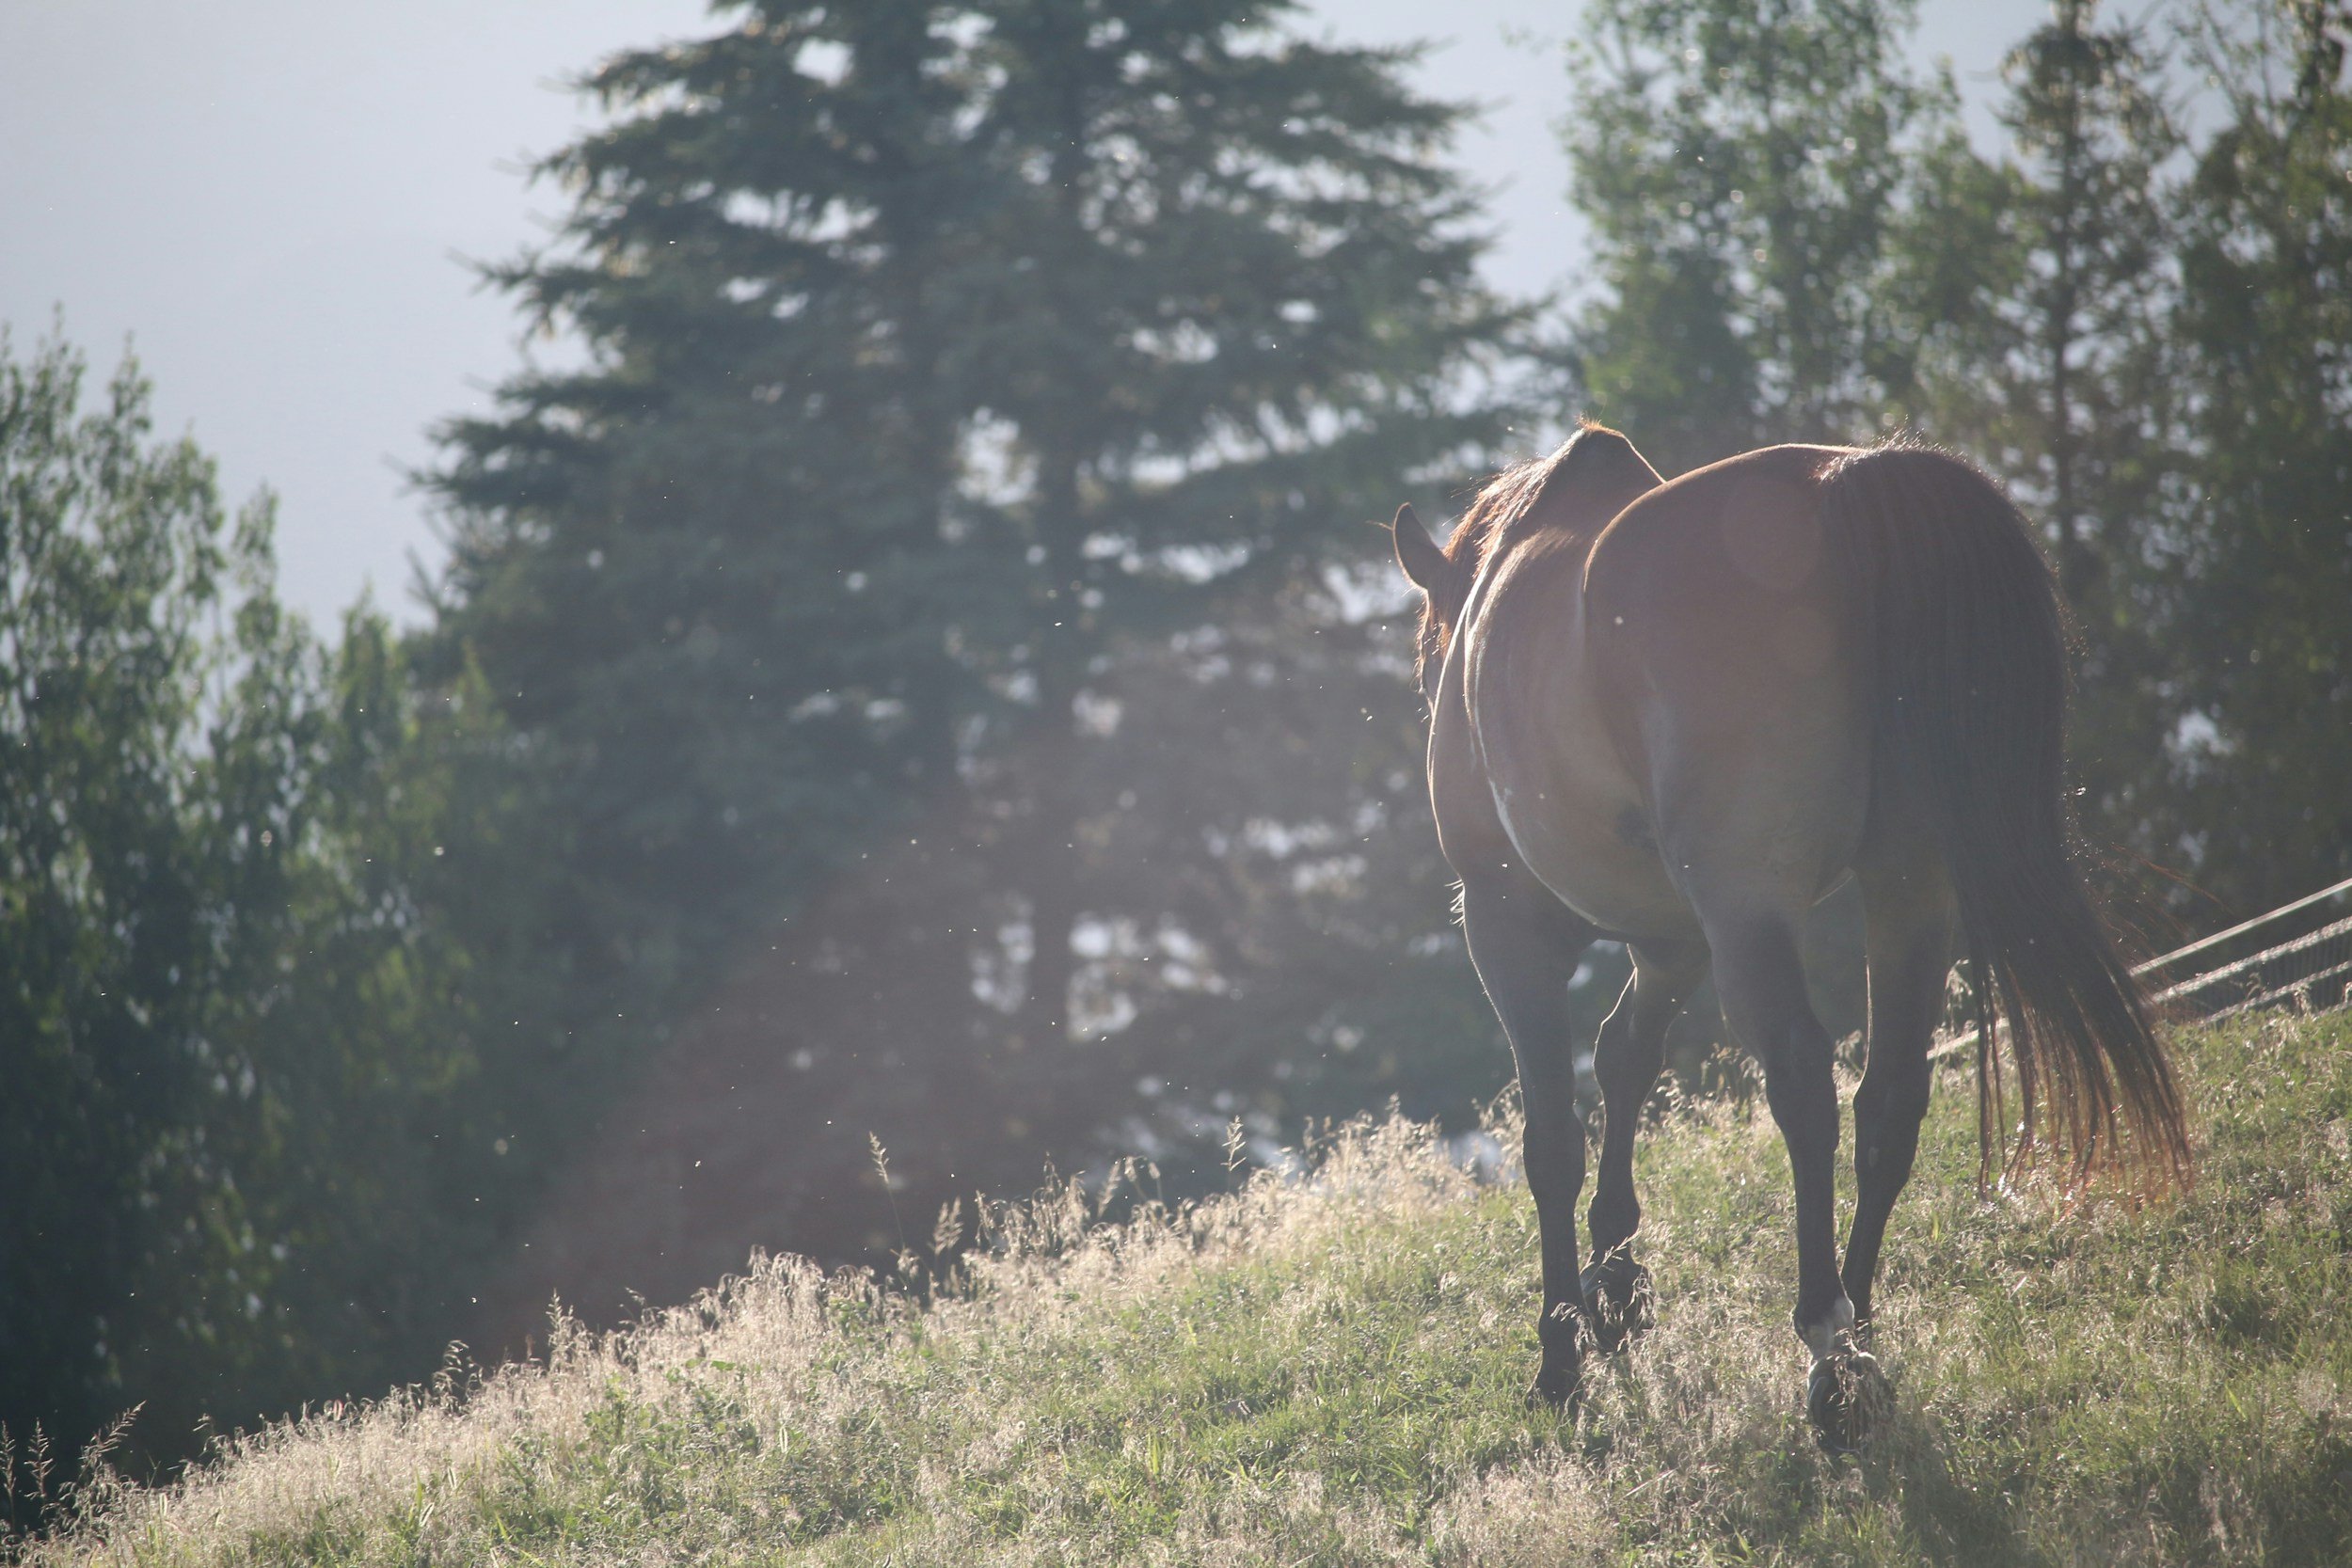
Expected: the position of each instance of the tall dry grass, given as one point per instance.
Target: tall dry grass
(1327, 1369)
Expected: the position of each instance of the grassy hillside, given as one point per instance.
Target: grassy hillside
(1328, 1371)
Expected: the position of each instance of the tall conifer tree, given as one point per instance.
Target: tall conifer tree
(955, 370)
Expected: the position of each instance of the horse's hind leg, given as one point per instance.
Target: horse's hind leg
(1761, 981)
(1909, 917)
(1526, 943)
(1630, 1054)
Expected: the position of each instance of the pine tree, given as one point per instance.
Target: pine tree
(955, 368)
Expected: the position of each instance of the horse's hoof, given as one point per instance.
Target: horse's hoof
(1619, 1301)
(1846, 1398)
(1559, 1384)
(1558, 1395)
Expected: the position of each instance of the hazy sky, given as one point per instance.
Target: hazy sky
(273, 198)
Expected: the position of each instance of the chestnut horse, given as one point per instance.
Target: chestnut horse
(1678, 715)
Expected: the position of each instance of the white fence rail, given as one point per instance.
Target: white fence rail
(2313, 972)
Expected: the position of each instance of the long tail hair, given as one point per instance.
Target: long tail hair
(1971, 704)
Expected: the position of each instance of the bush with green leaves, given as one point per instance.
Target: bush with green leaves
(238, 1052)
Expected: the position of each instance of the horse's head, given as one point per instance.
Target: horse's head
(1577, 489)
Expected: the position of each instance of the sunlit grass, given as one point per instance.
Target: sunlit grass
(1328, 1371)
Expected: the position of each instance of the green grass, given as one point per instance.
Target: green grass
(1328, 1371)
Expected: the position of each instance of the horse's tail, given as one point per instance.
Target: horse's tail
(1970, 652)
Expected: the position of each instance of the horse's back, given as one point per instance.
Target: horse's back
(1732, 638)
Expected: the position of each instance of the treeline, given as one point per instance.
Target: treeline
(243, 963)
(930, 642)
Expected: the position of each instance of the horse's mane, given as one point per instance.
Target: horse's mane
(1502, 501)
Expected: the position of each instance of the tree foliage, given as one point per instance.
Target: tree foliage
(2260, 565)
(238, 1050)
(1771, 191)
(918, 590)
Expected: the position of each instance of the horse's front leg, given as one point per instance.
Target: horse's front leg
(1526, 944)
(1628, 1059)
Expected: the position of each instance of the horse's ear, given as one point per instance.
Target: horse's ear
(1424, 564)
